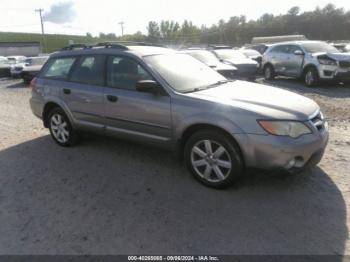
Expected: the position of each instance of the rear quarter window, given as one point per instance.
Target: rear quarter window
(58, 68)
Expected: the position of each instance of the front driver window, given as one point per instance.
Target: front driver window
(124, 73)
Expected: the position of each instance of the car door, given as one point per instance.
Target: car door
(294, 61)
(84, 92)
(130, 113)
(278, 58)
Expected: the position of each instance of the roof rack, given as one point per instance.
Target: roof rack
(120, 45)
(75, 46)
(111, 45)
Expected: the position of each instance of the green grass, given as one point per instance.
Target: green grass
(54, 42)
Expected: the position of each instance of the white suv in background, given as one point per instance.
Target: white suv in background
(311, 61)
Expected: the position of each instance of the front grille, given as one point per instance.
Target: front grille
(318, 122)
(344, 64)
(18, 68)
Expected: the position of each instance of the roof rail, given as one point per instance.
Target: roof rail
(120, 45)
(111, 45)
(75, 46)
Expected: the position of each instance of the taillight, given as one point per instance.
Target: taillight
(33, 83)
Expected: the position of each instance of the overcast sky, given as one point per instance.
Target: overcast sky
(81, 16)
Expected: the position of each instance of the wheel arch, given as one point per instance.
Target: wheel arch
(307, 67)
(51, 105)
(192, 129)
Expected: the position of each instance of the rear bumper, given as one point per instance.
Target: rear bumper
(37, 107)
(277, 152)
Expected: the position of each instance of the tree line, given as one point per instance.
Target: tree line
(327, 23)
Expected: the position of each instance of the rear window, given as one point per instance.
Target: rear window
(59, 68)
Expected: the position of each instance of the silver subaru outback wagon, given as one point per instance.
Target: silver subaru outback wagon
(154, 95)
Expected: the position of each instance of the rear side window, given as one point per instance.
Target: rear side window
(59, 68)
(124, 73)
(89, 70)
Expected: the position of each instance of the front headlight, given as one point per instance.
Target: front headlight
(327, 61)
(293, 129)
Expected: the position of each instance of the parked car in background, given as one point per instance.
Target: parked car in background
(312, 61)
(4, 67)
(247, 68)
(17, 63)
(340, 46)
(208, 58)
(261, 48)
(252, 54)
(32, 67)
(159, 96)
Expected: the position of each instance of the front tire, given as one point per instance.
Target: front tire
(269, 72)
(61, 129)
(213, 158)
(311, 77)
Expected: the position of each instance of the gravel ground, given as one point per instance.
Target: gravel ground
(111, 197)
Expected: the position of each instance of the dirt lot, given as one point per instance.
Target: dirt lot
(112, 197)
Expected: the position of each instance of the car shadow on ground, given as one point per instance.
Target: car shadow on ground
(111, 197)
(324, 89)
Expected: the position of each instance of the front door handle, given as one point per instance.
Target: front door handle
(112, 99)
(67, 91)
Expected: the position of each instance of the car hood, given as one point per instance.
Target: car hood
(241, 61)
(335, 56)
(266, 101)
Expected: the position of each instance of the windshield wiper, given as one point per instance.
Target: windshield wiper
(218, 83)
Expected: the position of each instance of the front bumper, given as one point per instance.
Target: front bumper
(278, 152)
(334, 73)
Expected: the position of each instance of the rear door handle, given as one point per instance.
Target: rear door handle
(67, 91)
(112, 99)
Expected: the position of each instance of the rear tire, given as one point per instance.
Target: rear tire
(269, 72)
(213, 158)
(61, 129)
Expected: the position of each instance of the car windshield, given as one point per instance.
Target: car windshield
(317, 47)
(229, 54)
(205, 57)
(184, 73)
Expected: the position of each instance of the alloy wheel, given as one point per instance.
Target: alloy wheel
(211, 161)
(59, 128)
(309, 78)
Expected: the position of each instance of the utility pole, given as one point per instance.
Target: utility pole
(122, 27)
(40, 11)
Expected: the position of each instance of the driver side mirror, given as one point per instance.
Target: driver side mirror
(298, 52)
(147, 86)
